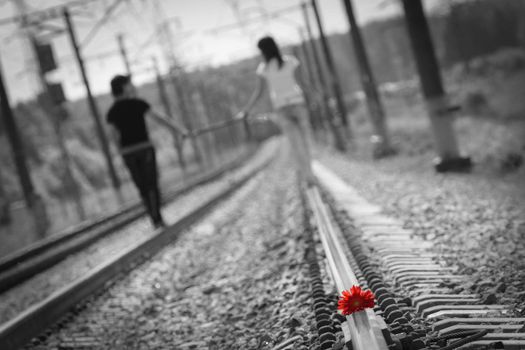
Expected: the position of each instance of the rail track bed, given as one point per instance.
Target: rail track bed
(28, 262)
(419, 297)
(38, 282)
(264, 271)
(45, 298)
(236, 279)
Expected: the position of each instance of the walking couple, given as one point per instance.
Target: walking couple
(277, 73)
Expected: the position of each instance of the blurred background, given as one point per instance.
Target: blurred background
(196, 60)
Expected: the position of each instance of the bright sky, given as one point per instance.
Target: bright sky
(197, 41)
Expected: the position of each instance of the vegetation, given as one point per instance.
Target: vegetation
(473, 40)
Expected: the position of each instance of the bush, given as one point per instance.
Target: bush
(475, 28)
(511, 162)
(476, 102)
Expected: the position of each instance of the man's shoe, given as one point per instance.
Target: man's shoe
(159, 224)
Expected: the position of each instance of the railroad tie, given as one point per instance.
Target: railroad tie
(408, 278)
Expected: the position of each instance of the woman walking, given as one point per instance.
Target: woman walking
(279, 74)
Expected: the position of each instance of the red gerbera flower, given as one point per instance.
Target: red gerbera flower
(355, 299)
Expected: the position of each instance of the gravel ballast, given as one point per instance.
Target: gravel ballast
(236, 280)
(476, 222)
(77, 265)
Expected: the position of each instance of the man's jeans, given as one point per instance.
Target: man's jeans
(142, 165)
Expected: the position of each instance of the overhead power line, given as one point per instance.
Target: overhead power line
(222, 28)
(45, 14)
(263, 17)
(101, 23)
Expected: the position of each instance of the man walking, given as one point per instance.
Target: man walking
(128, 116)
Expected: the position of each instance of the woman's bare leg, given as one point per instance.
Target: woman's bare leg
(297, 134)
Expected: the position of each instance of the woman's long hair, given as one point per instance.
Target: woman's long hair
(270, 50)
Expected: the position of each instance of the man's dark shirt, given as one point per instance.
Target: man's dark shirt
(128, 117)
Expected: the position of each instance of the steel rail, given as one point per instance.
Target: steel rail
(412, 267)
(362, 329)
(30, 323)
(26, 263)
(33, 249)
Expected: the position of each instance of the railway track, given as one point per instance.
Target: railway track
(34, 320)
(28, 262)
(363, 330)
(234, 280)
(418, 303)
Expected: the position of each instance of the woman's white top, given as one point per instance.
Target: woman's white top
(283, 87)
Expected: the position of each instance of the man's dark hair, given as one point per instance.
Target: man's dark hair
(117, 84)
(270, 50)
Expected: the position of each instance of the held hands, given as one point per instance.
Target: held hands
(179, 135)
(241, 115)
(185, 133)
(180, 132)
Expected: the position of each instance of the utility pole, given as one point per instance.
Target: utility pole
(35, 202)
(162, 88)
(438, 107)
(203, 121)
(319, 109)
(166, 44)
(5, 214)
(61, 115)
(53, 104)
(124, 53)
(17, 147)
(92, 103)
(305, 71)
(207, 112)
(184, 112)
(167, 110)
(234, 108)
(315, 54)
(381, 140)
(339, 139)
(307, 59)
(333, 77)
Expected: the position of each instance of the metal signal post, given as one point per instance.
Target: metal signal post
(318, 109)
(92, 103)
(167, 110)
(340, 142)
(15, 141)
(124, 53)
(334, 81)
(439, 110)
(184, 111)
(375, 107)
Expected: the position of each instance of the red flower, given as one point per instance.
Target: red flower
(355, 299)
